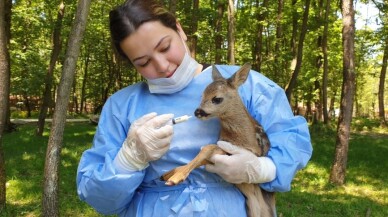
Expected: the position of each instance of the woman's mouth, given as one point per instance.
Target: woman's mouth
(169, 74)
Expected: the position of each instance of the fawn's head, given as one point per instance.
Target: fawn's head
(221, 96)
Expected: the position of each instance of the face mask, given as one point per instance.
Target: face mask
(179, 80)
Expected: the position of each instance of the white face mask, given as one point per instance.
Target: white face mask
(179, 80)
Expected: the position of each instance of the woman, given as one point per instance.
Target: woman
(135, 144)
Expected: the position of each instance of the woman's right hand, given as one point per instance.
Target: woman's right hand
(148, 139)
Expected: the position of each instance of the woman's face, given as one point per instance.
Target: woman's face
(155, 50)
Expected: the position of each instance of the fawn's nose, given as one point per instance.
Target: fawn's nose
(200, 113)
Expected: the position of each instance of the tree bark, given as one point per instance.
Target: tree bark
(279, 37)
(292, 83)
(57, 45)
(218, 31)
(83, 88)
(383, 73)
(258, 51)
(231, 32)
(4, 92)
(338, 171)
(194, 29)
(325, 63)
(172, 6)
(317, 84)
(293, 44)
(51, 170)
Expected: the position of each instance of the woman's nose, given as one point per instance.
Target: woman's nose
(161, 64)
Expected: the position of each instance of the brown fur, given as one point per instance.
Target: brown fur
(221, 99)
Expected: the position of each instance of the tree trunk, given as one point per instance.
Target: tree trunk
(331, 107)
(381, 85)
(294, 30)
(338, 171)
(83, 88)
(75, 107)
(4, 91)
(231, 34)
(218, 31)
(258, 51)
(27, 103)
(325, 63)
(279, 37)
(317, 84)
(57, 45)
(172, 6)
(51, 170)
(292, 83)
(194, 29)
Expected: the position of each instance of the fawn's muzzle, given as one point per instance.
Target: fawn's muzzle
(199, 113)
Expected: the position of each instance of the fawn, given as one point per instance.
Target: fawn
(221, 99)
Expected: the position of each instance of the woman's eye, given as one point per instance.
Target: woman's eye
(217, 100)
(165, 49)
(144, 64)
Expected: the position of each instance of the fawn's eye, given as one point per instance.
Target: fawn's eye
(217, 100)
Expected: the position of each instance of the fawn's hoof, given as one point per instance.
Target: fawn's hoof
(173, 177)
(169, 183)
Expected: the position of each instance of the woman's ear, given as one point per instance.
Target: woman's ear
(181, 32)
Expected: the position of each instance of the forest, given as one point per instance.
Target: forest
(57, 61)
(280, 39)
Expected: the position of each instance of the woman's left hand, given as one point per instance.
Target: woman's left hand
(241, 166)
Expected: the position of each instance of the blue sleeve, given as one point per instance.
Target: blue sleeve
(98, 181)
(289, 135)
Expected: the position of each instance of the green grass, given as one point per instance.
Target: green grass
(365, 190)
(25, 155)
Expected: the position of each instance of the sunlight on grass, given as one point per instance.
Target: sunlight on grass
(25, 198)
(365, 190)
(27, 156)
(90, 132)
(311, 194)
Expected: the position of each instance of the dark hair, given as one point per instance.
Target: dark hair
(126, 19)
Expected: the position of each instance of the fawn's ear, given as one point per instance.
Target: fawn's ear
(216, 75)
(240, 76)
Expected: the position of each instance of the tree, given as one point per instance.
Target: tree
(383, 8)
(218, 30)
(4, 92)
(231, 30)
(50, 191)
(194, 28)
(278, 60)
(338, 170)
(172, 6)
(299, 54)
(57, 45)
(262, 15)
(381, 85)
(325, 63)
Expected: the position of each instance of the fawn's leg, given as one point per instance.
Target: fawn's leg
(259, 203)
(179, 174)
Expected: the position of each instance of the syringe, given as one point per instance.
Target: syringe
(180, 119)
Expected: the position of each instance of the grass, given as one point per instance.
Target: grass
(364, 194)
(366, 190)
(25, 155)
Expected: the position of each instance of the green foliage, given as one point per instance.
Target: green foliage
(100, 73)
(311, 194)
(23, 114)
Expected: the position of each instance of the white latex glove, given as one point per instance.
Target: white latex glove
(148, 139)
(241, 166)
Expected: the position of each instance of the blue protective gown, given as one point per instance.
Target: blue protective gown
(141, 193)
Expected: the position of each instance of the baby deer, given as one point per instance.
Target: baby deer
(221, 99)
